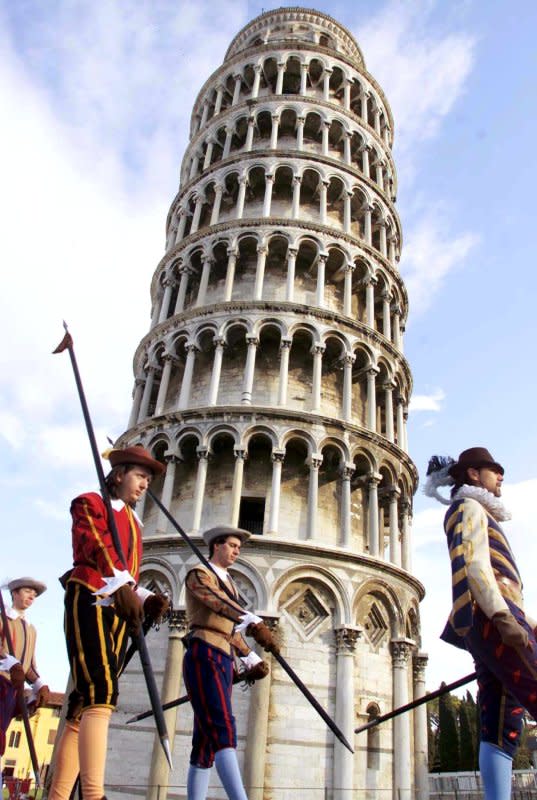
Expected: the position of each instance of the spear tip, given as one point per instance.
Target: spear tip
(165, 742)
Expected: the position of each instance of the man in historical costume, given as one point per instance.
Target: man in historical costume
(19, 668)
(487, 616)
(103, 603)
(215, 621)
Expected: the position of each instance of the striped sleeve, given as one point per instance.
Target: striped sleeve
(475, 543)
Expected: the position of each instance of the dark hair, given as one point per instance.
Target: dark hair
(218, 540)
(462, 479)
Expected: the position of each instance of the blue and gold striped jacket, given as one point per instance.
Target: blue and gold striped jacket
(502, 562)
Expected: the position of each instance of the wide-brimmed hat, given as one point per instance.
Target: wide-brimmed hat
(135, 454)
(225, 530)
(476, 457)
(27, 583)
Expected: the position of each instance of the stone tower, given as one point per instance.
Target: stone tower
(273, 383)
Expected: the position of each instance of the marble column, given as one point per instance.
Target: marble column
(277, 457)
(347, 199)
(386, 321)
(325, 125)
(368, 237)
(323, 191)
(365, 161)
(347, 94)
(402, 779)
(219, 97)
(326, 83)
(406, 550)
(181, 225)
(267, 200)
(347, 137)
(215, 214)
(137, 399)
(317, 351)
(343, 765)
(399, 409)
(166, 498)
(227, 142)
(250, 134)
(388, 409)
(347, 289)
(248, 381)
(371, 416)
(164, 383)
(230, 274)
(370, 283)
(373, 514)
(198, 199)
(279, 79)
(204, 280)
(421, 766)
(262, 251)
(236, 89)
(168, 284)
(321, 271)
(159, 774)
(146, 397)
(393, 516)
(285, 350)
(257, 79)
(199, 490)
(347, 360)
(300, 132)
(184, 271)
(303, 79)
(274, 131)
(241, 195)
(313, 495)
(186, 384)
(219, 344)
(291, 262)
(209, 153)
(255, 751)
(295, 210)
(236, 490)
(347, 471)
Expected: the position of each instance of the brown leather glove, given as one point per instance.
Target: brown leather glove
(155, 606)
(511, 633)
(255, 673)
(129, 607)
(43, 695)
(263, 636)
(16, 673)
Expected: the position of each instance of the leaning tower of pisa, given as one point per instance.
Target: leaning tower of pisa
(273, 382)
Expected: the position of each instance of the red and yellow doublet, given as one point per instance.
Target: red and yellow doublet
(94, 554)
(96, 637)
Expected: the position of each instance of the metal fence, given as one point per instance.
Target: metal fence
(468, 786)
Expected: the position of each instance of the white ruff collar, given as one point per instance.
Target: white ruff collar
(489, 501)
(12, 613)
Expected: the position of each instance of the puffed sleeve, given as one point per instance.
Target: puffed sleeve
(475, 542)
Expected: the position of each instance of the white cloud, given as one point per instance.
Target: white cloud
(422, 71)
(429, 255)
(427, 402)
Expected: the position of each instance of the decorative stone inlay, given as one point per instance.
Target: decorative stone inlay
(375, 625)
(307, 611)
(156, 582)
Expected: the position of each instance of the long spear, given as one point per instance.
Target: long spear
(179, 701)
(420, 701)
(279, 658)
(21, 698)
(138, 638)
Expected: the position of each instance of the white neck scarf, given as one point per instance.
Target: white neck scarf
(489, 501)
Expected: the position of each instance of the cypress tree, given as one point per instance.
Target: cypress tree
(448, 739)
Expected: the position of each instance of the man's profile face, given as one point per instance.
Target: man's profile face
(488, 478)
(226, 554)
(23, 598)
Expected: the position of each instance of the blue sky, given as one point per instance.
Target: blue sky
(95, 100)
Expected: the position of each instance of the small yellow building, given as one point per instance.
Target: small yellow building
(44, 726)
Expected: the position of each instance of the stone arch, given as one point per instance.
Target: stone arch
(157, 575)
(377, 609)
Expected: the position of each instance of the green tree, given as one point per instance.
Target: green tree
(448, 735)
(467, 734)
